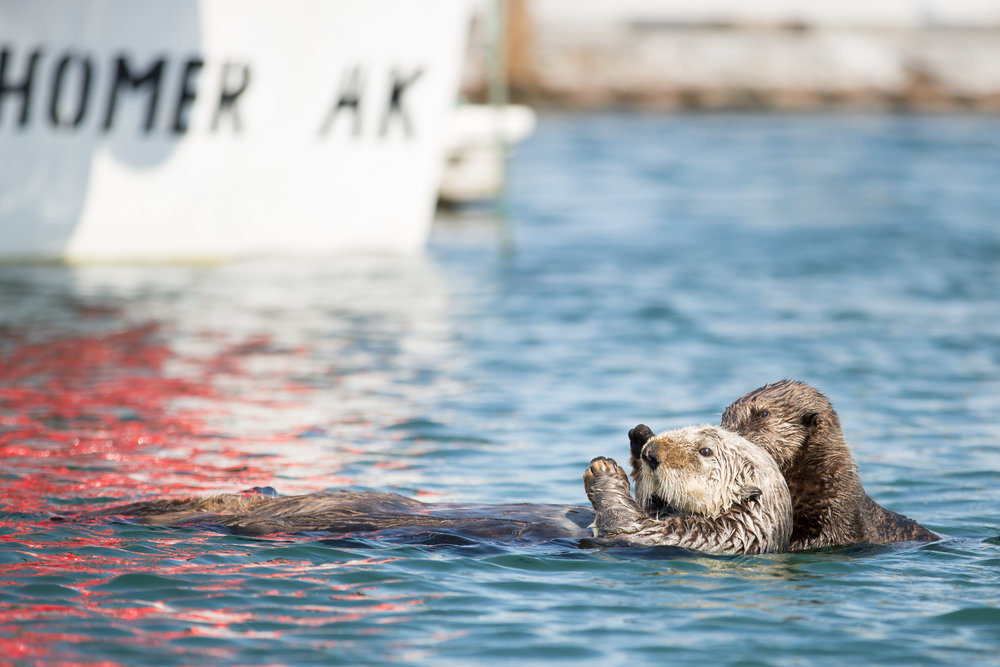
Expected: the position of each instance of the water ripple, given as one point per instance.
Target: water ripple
(663, 267)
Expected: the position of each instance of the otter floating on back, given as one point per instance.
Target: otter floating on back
(734, 503)
(700, 487)
(346, 512)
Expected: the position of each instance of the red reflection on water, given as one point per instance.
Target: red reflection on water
(98, 417)
(90, 419)
(94, 596)
(81, 416)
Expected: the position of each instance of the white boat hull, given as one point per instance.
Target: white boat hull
(205, 129)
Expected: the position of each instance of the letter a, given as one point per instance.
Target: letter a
(352, 86)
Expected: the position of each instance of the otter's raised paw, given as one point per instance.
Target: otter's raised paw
(602, 467)
(615, 511)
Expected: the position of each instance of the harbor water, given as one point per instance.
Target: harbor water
(658, 268)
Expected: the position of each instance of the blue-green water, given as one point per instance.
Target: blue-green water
(663, 266)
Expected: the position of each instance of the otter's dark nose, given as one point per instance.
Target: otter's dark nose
(649, 455)
(637, 437)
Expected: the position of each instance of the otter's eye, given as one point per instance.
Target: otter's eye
(763, 414)
(705, 451)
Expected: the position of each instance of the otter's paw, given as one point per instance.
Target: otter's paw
(602, 467)
(615, 511)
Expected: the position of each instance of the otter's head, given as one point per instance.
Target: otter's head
(784, 418)
(705, 470)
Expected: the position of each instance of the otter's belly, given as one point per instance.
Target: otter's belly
(352, 512)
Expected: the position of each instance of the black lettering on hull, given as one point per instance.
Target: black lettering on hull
(186, 94)
(85, 70)
(395, 108)
(77, 87)
(150, 79)
(352, 88)
(23, 88)
(228, 96)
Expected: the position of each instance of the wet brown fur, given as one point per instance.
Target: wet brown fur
(719, 526)
(800, 429)
(347, 512)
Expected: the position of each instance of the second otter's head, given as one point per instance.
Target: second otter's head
(784, 418)
(704, 470)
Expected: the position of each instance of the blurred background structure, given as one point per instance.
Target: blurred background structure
(767, 54)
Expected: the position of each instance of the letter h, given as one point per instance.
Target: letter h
(23, 88)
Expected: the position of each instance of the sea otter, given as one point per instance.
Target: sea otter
(730, 502)
(725, 494)
(798, 426)
(351, 512)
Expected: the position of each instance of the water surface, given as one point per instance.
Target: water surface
(663, 266)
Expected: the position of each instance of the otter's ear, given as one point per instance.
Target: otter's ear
(748, 493)
(810, 420)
